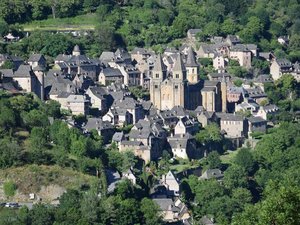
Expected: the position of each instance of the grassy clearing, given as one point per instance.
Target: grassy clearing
(228, 156)
(30, 178)
(82, 22)
(182, 167)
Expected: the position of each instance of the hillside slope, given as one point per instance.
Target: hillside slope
(47, 182)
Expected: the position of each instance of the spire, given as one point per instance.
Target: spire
(191, 61)
(159, 64)
(178, 65)
(76, 50)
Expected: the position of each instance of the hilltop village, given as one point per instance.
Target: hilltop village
(155, 104)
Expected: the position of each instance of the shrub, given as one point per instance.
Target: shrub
(9, 188)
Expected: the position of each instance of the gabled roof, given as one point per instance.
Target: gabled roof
(256, 119)
(212, 173)
(179, 65)
(98, 124)
(35, 58)
(7, 72)
(24, 71)
(118, 136)
(112, 72)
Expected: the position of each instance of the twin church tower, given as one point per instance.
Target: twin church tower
(181, 86)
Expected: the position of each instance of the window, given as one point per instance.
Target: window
(155, 86)
(176, 86)
(193, 70)
(156, 75)
(177, 75)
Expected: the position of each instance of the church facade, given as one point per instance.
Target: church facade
(181, 86)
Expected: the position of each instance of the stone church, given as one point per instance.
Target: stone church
(181, 86)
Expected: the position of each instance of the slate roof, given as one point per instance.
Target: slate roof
(107, 56)
(118, 136)
(7, 72)
(270, 107)
(179, 140)
(230, 117)
(256, 119)
(263, 78)
(283, 63)
(191, 60)
(159, 64)
(126, 103)
(239, 48)
(24, 71)
(112, 72)
(98, 124)
(179, 65)
(194, 31)
(164, 203)
(179, 111)
(99, 92)
(141, 51)
(35, 58)
(212, 173)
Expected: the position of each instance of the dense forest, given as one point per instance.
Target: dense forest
(156, 23)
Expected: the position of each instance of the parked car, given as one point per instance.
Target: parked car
(11, 205)
(2, 204)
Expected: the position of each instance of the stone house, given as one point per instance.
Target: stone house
(232, 40)
(232, 124)
(219, 63)
(192, 34)
(37, 60)
(242, 54)
(183, 146)
(172, 211)
(266, 111)
(25, 78)
(110, 75)
(171, 182)
(279, 67)
(77, 104)
(98, 98)
(78, 64)
(256, 124)
(132, 106)
(104, 128)
(130, 176)
(118, 117)
(212, 174)
(186, 125)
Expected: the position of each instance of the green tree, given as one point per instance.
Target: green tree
(3, 28)
(52, 108)
(235, 176)
(10, 153)
(41, 214)
(7, 65)
(245, 159)
(210, 136)
(213, 160)
(150, 212)
(229, 26)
